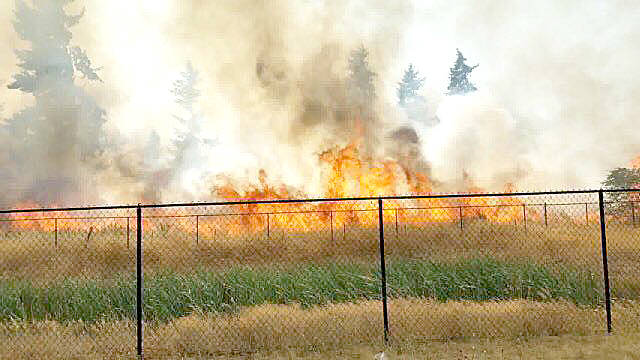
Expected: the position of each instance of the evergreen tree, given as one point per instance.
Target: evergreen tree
(64, 126)
(186, 96)
(408, 88)
(185, 89)
(459, 83)
(360, 81)
(361, 97)
(190, 145)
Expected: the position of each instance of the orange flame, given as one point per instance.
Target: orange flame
(346, 173)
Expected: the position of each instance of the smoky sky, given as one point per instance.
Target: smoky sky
(558, 85)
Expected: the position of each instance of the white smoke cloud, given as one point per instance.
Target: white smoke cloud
(558, 83)
(477, 138)
(564, 71)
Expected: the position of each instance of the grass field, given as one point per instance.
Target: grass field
(619, 346)
(33, 254)
(267, 331)
(289, 293)
(170, 295)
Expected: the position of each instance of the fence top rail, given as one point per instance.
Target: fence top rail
(312, 200)
(67, 218)
(190, 215)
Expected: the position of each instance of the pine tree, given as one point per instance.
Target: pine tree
(360, 81)
(51, 61)
(408, 88)
(185, 89)
(361, 98)
(64, 126)
(189, 145)
(186, 96)
(459, 83)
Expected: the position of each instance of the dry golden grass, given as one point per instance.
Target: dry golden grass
(346, 331)
(616, 347)
(32, 255)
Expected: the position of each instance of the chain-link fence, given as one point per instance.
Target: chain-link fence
(623, 251)
(261, 276)
(242, 277)
(494, 266)
(67, 283)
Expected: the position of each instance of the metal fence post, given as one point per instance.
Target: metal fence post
(128, 232)
(56, 232)
(396, 223)
(139, 285)
(633, 214)
(89, 236)
(197, 230)
(524, 216)
(331, 221)
(586, 213)
(460, 211)
(383, 274)
(605, 264)
(268, 228)
(545, 214)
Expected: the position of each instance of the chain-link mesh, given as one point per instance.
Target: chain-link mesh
(68, 283)
(493, 266)
(623, 252)
(243, 278)
(237, 279)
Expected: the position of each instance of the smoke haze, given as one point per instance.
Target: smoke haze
(557, 97)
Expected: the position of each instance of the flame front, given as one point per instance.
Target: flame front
(346, 173)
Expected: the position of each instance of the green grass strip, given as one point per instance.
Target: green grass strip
(169, 295)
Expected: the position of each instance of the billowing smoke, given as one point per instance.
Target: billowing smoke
(279, 82)
(559, 77)
(299, 78)
(50, 146)
(476, 143)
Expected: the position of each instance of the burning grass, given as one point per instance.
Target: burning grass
(269, 329)
(171, 295)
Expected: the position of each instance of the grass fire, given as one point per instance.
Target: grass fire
(318, 179)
